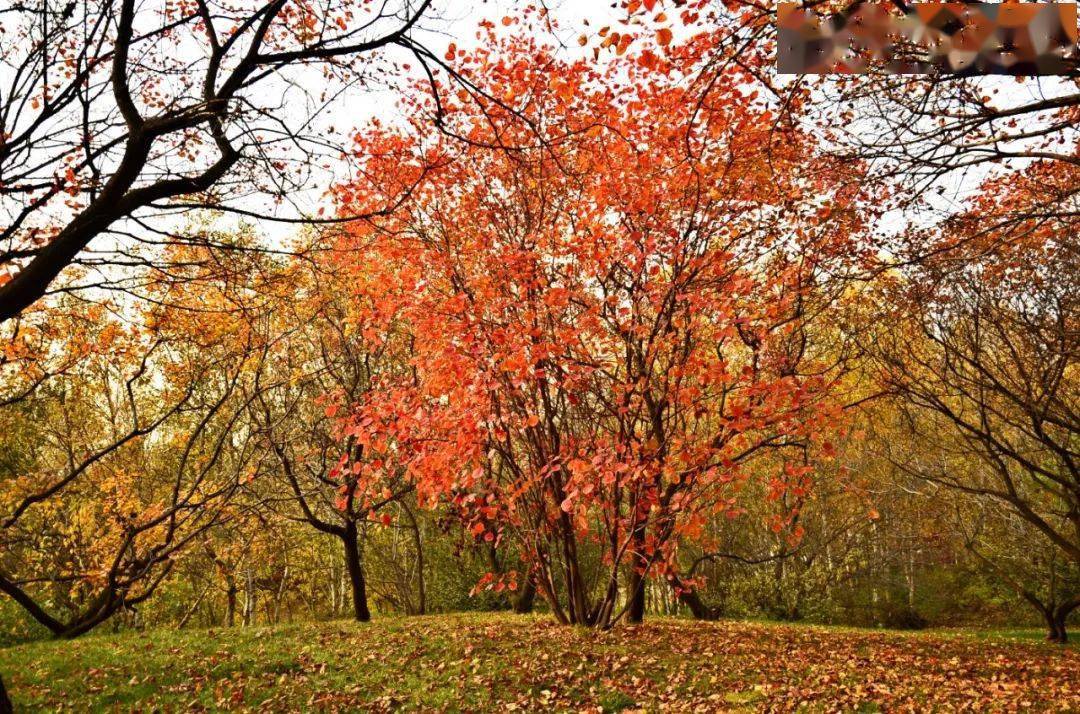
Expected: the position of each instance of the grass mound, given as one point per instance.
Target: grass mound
(512, 663)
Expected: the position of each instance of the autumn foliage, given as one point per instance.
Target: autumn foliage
(611, 319)
(597, 319)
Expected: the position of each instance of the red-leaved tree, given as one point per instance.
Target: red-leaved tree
(613, 319)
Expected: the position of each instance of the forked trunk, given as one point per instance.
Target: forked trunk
(1055, 622)
(1055, 616)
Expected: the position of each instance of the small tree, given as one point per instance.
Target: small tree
(337, 355)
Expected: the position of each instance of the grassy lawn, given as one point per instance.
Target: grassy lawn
(503, 662)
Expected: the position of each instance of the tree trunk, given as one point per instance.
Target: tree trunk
(194, 607)
(1055, 620)
(418, 543)
(1055, 626)
(5, 703)
(230, 603)
(636, 611)
(355, 566)
(576, 595)
(911, 581)
(249, 597)
(689, 597)
(523, 603)
(638, 564)
(279, 594)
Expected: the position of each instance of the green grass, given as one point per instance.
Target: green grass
(483, 662)
(997, 635)
(1015, 634)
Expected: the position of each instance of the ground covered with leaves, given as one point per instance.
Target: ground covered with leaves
(513, 663)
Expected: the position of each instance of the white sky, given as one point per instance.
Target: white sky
(457, 22)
